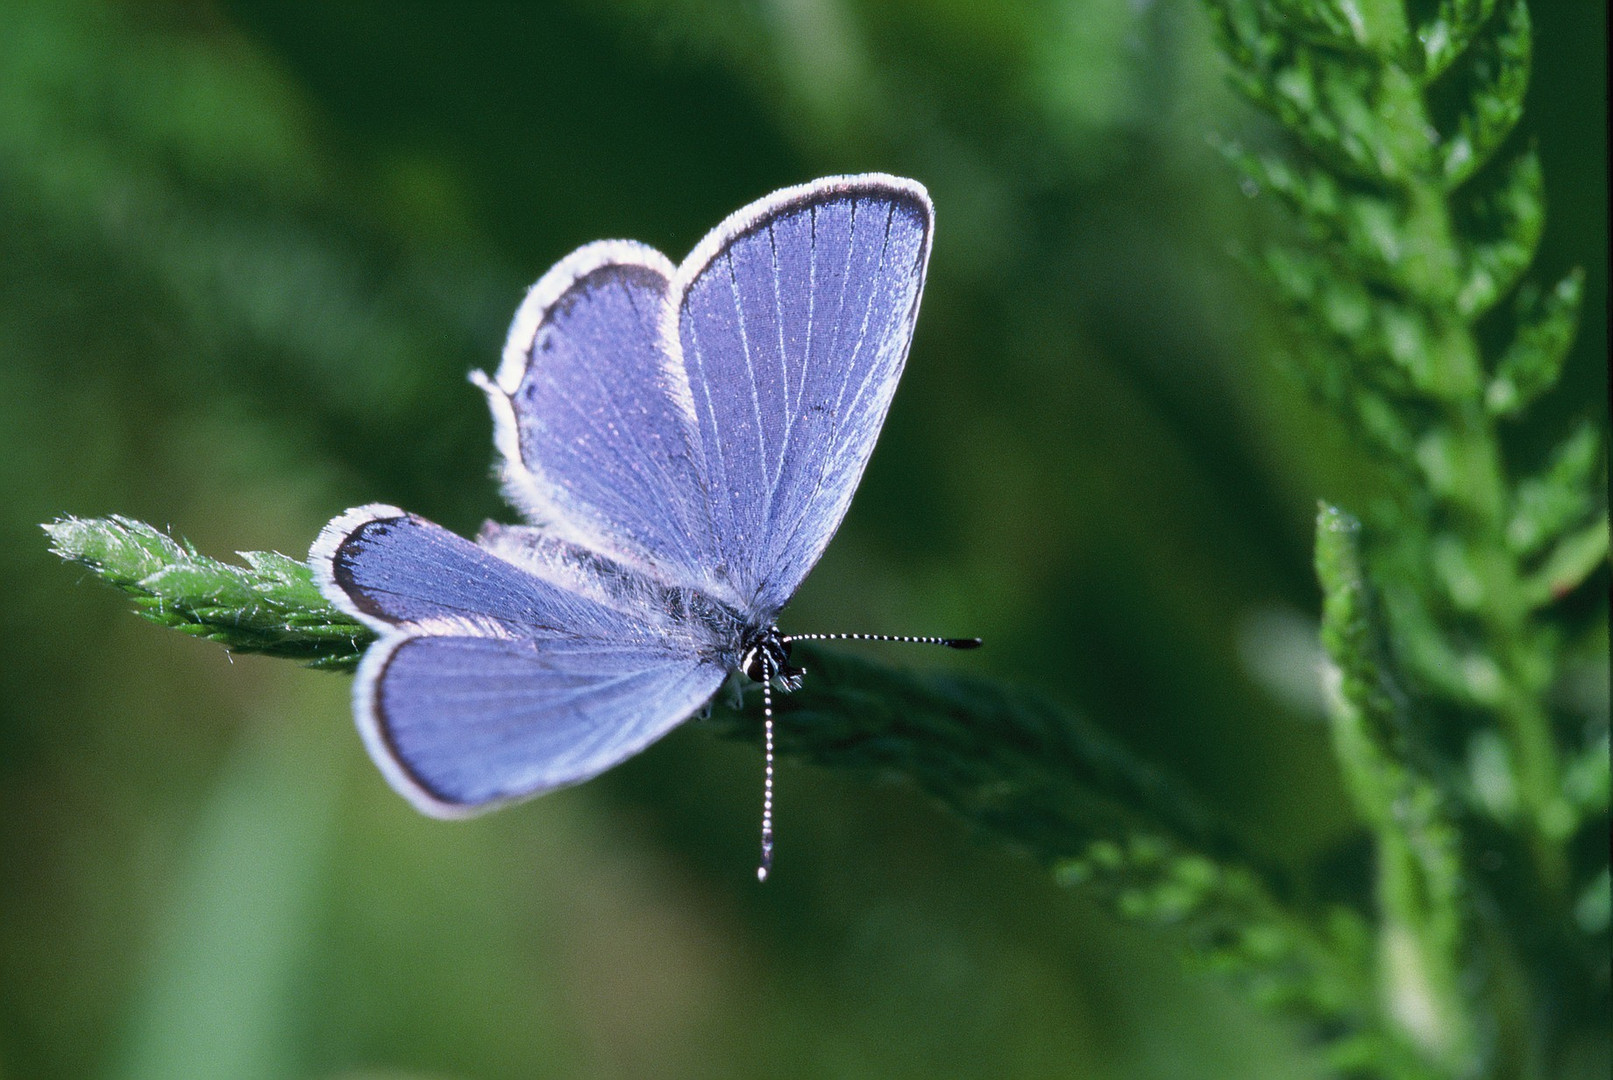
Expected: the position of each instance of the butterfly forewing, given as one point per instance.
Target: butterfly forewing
(793, 322)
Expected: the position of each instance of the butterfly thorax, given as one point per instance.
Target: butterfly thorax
(765, 654)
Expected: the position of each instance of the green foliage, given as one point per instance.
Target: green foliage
(1025, 772)
(268, 606)
(1456, 619)
(1546, 321)
(1417, 215)
(1424, 938)
(1029, 775)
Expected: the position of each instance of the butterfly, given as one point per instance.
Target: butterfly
(683, 441)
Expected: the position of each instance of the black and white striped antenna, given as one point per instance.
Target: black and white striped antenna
(772, 661)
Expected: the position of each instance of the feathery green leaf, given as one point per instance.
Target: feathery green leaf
(1497, 79)
(1560, 497)
(1573, 560)
(269, 606)
(1546, 323)
(1508, 218)
(1424, 940)
(1450, 31)
(1029, 775)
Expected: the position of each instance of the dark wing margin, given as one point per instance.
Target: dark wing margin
(792, 321)
(394, 570)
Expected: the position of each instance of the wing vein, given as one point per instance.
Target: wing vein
(779, 560)
(873, 369)
(835, 416)
(612, 446)
(660, 466)
(760, 470)
(784, 379)
(720, 537)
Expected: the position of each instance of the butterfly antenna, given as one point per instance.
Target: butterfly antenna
(770, 671)
(907, 639)
(767, 776)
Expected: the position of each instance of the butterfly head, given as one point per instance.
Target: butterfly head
(765, 656)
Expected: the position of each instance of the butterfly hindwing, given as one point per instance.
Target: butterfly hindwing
(490, 684)
(392, 569)
(460, 725)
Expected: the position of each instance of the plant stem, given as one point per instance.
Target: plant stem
(1029, 775)
(1423, 940)
(1461, 453)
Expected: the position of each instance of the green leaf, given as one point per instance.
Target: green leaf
(1322, 86)
(1457, 670)
(1340, 312)
(1413, 229)
(1547, 322)
(1559, 497)
(1462, 579)
(1237, 930)
(1446, 35)
(1244, 35)
(1456, 471)
(1027, 774)
(1383, 425)
(1593, 911)
(1368, 695)
(1334, 109)
(1421, 881)
(1362, 230)
(1312, 194)
(269, 606)
(1568, 565)
(1497, 80)
(1507, 221)
(1359, 325)
(1588, 778)
(1491, 776)
(1014, 764)
(1332, 23)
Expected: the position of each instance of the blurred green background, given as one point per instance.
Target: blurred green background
(248, 251)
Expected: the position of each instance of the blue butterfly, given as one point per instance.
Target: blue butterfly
(683, 441)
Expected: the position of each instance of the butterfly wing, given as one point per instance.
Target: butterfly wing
(708, 424)
(688, 440)
(596, 447)
(792, 321)
(463, 724)
(490, 684)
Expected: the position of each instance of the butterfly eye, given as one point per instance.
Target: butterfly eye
(757, 660)
(768, 655)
